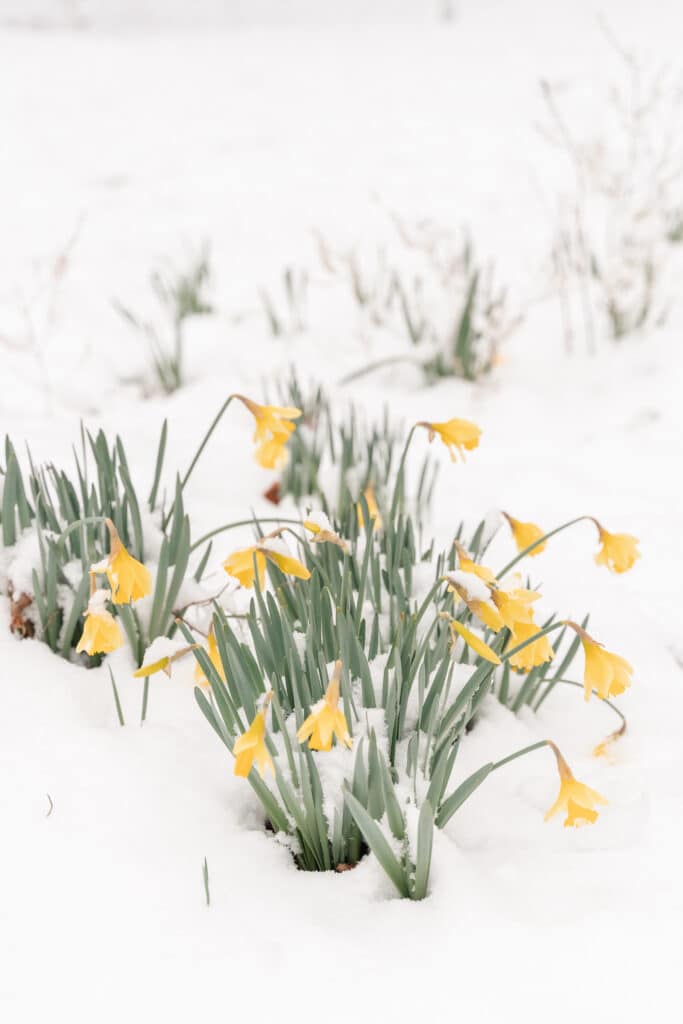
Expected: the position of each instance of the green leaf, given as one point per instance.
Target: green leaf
(377, 842)
(425, 838)
(462, 793)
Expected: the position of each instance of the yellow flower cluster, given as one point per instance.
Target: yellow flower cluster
(496, 607)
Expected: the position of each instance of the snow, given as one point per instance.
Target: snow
(474, 588)
(138, 145)
(162, 647)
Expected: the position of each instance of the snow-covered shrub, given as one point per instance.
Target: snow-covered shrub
(619, 210)
(179, 295)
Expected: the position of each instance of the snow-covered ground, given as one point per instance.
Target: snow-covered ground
(127, 149)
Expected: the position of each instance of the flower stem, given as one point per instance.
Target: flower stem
(78, 523)
(119, 711)
(216, 420)
(573, 682)
(428, 599)
(377, 365)
(240, 522)
(519, 753)
(145, 696)
(399, 476)
(541, 540)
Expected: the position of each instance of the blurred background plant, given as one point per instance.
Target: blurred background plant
(424, 290)
(433, 292)
(621, 211)
(32, 314)
(179, 294)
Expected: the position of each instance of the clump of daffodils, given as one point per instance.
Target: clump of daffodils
(391, 760)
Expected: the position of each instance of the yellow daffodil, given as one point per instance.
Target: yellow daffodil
(605, 672)
(373, 509)
(535, 653)
(475, 642)
(251, 746)
(514, 605)
(240, 564)
(467, 564)
(575, 798)
(476, 595)
(101, 632)
(129, 579)
(321, 528)
(619, 551)
(525, 534)
(273, 429)
(326, 719)
(215, 658)
(459, 436)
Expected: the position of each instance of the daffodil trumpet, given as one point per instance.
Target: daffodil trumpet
(525, 534)
(326, 720)
(128, 578)
(575, 798)
(252, 746)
